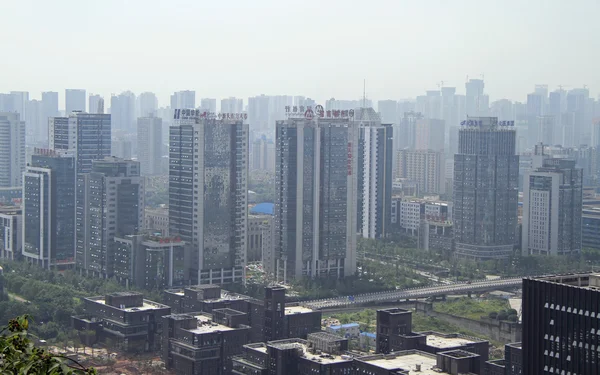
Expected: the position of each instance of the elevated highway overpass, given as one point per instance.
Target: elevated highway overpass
(414, 293)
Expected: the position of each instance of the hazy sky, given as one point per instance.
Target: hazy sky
(319, 49)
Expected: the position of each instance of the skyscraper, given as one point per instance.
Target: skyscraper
(12, 149)
(486, 172)
(208, 193)
(426, 167)
(183, 99)
(232, 105)
(557, 103)
(535, 103)
(316, 198)
(48, 209)
(263, 154)
(552, 206)
(404, 133)
(374, 174)
(37, 128)
(208, 105)
(474, 99)
(86, 135)
(20, 101)
(578, 106)
(449, 112)
(147, 105)
(388, 110)
(74, 101)
(258, 112)
(109, 203)
(545, 129)
(149, 140)
(122, 111)
(94, 103)
(429, 134)
(49, 106)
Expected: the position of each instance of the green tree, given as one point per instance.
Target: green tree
(21, 356)
(502, 315)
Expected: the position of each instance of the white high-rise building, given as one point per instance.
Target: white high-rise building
(258, 112)
(74, 101)
(183, 99)
(552, 204)
(147, 104)
(208, 105)
(12, 149)
(426, 167)
(122, 110)
(149, 141)
(232, 105)
(94, 103)
(49, 106)
(37, 128)
(375, 143)
(429, 134)
(263, 155)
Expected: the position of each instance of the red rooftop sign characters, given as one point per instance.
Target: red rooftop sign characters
(170, 240)
(318, 112)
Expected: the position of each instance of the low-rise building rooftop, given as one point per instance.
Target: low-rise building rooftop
(413, 362)
(289, 310)
(447, 341)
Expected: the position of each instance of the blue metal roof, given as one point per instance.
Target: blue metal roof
(368, 334)
(344, 326)
(263, 209)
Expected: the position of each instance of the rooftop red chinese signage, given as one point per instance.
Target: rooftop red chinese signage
(318, 112)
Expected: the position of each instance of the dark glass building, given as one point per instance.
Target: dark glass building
(208, 190)
(201, 343)
(48, 209)
(561, 325)
(486, 173)
(315, 198)
(322, 353)
(590, 229)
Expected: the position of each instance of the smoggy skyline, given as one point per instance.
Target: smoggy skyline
(320, 50)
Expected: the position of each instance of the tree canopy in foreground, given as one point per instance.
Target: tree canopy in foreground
(19, 355)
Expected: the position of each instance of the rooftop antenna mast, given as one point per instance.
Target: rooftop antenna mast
(364, 93)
